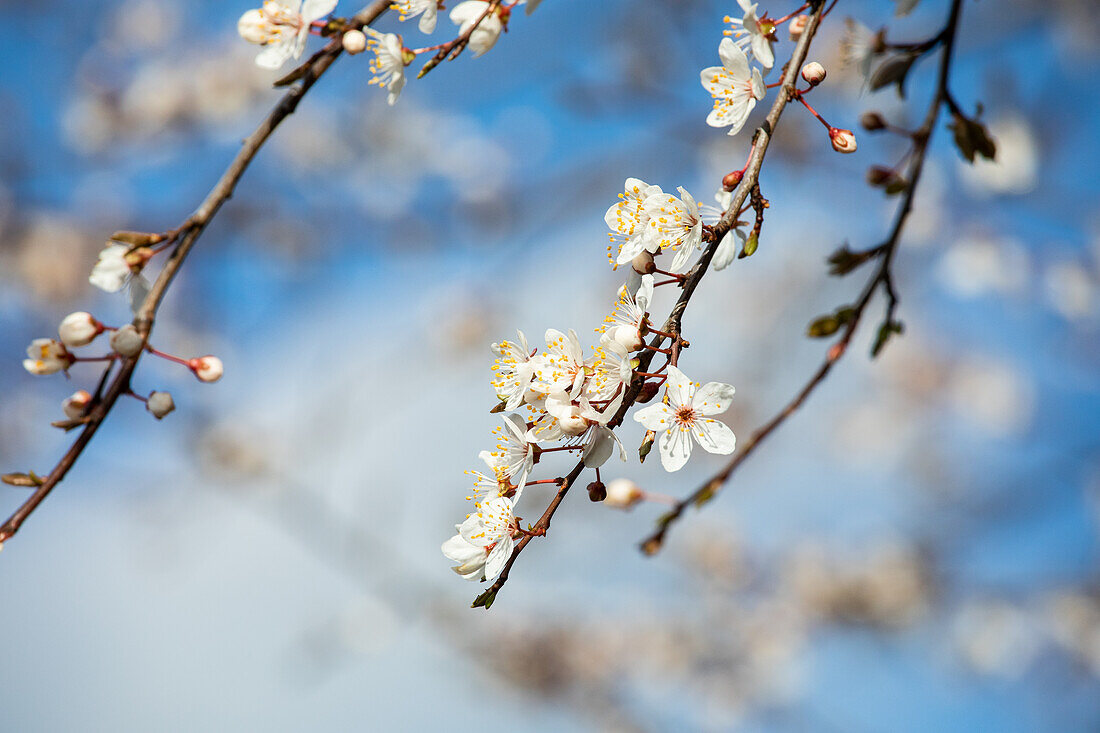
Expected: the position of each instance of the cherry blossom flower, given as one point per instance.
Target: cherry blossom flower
(484, 541)
(612, 373)
(627, 220)
(79, 329)
(674, 225)
(734, 87)
(512, 370)
(488, 487)
(485, 35)
(112, 270)
(514, 453)
(428, 10)
(281, 27)
(388, 64)
(858, 46)
(624, 325)
(683, 413)
(563, 366)
(47, 356)
(753, 34)
(727, 248)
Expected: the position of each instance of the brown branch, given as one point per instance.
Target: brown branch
(690, 283)
(882, 278)
(190, 230)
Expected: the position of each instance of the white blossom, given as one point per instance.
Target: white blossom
(674, 225)
(734, 86)
(624, 325)
(514, 452)
(484, 541)
(428, 10)
(485, 35)
(683, 413)
(627, 220)
(752, 34)
(612, 373)
(79, 329)
(47, 356)
(512, 370)
(112, 270)
(563, 366)
(388, 64)
(282, 28)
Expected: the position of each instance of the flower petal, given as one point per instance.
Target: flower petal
(713, 398)
(654, 417)
(675, 447)
(714, 436)
(678, 388)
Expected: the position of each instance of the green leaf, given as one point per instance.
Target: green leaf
(885, 331)
(485, 600)
(844, 260)
(822, 327)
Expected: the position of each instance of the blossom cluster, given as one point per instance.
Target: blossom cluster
(282, 28)
(562, 398)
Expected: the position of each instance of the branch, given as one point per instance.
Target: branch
(691, 281)
(882, 278)
(191, 229)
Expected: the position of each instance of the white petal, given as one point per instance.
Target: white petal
(599, 448)
(654, 417)
(428, 19)
(734, 59)
(675, 447)
(725, 253)
(314, 9)
(498, 557)
(713, 398)
(679, 388)
(714, 436)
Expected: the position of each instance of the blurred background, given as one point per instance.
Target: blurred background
(915, 550)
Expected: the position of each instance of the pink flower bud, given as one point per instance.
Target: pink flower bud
(843, 140)
(79, 329)
(126, 341)
(354, 42)
(797, 26)
(813, 73)
(160, 404)
(623, 493)
(76, 406)
(206, 368)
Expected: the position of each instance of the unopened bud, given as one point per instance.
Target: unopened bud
(813, 73)
(137, 258)
(872, 121)
(597, 491)
(844, 141)
(627, 336)
(622, 493)
(730, 180)
(647, 392)
(79, 329)
(76, 406)
(647, 445)
(126, 341)
(643, 263)
(160, 404)
(878, 42)
(354, 42)
(797, 26)
(206, 368)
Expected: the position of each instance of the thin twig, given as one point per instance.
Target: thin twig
(882, 278)
(713, 237)
(191, 229)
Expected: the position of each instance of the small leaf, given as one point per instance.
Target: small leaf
(844, 260)
(498, 407)
(885, 331)
(647, 445)
(485, 600)
(972, 138)
(749, 247)
(893, 70)
(823, 327)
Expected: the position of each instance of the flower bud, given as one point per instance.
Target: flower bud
(79, 329)
(254, 27)
(622, 493)
(47, 356)
(872, 121)
(354, 42)
(843, 140)
(126, 341)
(571, 421)
(597, 491)
(813, 73)
(643, 263)
(797, 26)
(206, 368)
(160, 404)
(76, 406)
(730, 180)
